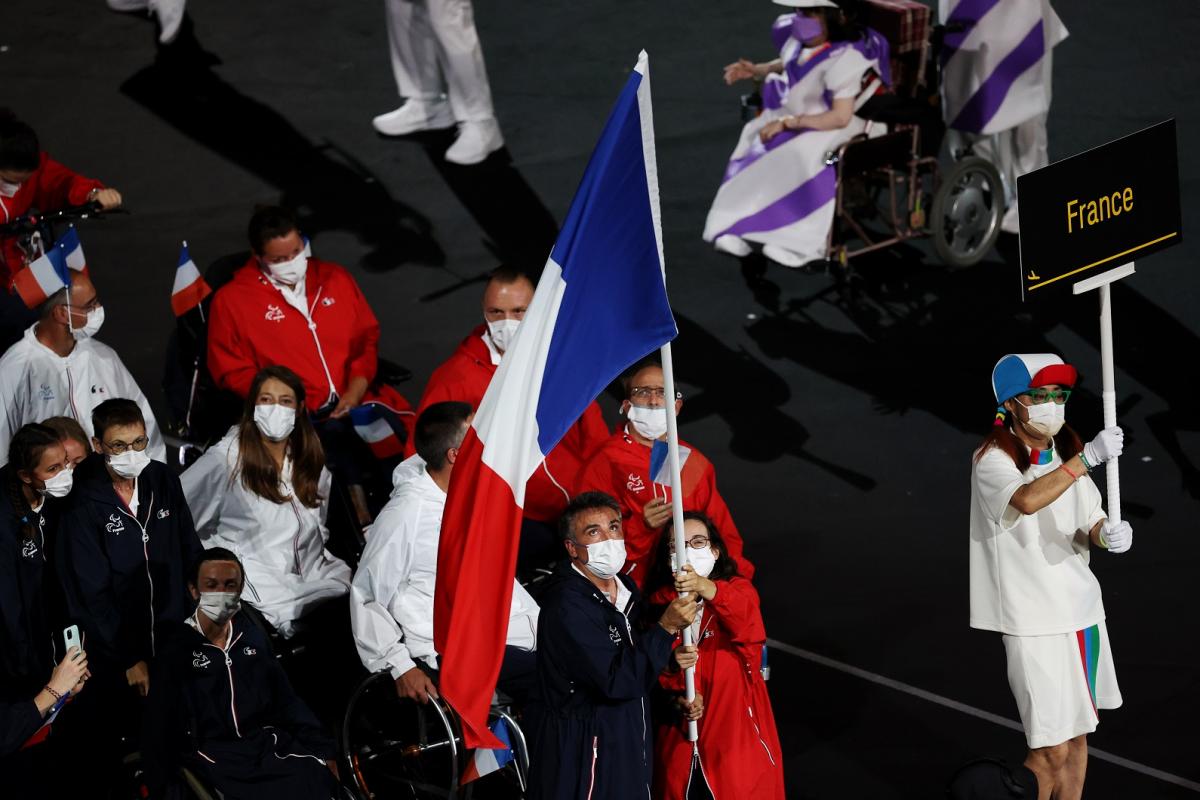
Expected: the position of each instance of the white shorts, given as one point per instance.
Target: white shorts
(1060, 681)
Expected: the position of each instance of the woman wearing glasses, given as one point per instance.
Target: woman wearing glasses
(738, 752)
(1035, 516)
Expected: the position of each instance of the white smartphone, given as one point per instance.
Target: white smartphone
(71, 638)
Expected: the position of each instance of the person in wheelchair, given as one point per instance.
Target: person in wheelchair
(777, 190)
(391, 600)
(283, 307)
(223, 708)
(262, 491)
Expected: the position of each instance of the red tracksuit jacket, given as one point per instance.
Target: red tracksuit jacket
(51, 187)
(465, 377)
(621, 468)
(251, 326)
(739, 746)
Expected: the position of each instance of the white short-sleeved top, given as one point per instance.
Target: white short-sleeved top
(1029, 572)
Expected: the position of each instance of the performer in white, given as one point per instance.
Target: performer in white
(996, 84)
(1035, 514)
(438, 63)
(777, 189)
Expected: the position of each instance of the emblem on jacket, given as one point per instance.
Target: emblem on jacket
(29, 549)
(163, 513)
(274, 314)
(98, 389)
(199, 660)
(115, 524)
(45, 392)
(634, 483)
(250, 651)
(614, 633)
(327, 301)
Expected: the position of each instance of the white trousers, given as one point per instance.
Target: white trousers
(436, 51)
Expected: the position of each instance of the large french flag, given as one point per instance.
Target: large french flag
(190, 288)
(600, 306)
(42, 278)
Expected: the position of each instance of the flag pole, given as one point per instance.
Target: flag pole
(689, 677)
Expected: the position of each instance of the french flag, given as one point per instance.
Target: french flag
(601, 305)
(36, 283)
(486, 761)
(72, 250)
(370, 422)
(190, 288)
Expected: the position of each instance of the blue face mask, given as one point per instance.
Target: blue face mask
(805, 29)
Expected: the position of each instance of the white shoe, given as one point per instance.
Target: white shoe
(733, 245)
(1011, 223)
(476, 140)
(170, 17)
(415, 115)
(784, 257)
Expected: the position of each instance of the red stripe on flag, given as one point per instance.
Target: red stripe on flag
(189, 297)
(477, 558)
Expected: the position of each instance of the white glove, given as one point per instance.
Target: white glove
(1107, 445)
(1116, 536)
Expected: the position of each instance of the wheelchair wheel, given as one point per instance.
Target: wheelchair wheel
(400, 749)
(967, 211)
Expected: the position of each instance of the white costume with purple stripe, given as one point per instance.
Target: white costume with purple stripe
(782, 193)
(996, 83)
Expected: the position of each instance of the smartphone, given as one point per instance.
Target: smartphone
(71, 638)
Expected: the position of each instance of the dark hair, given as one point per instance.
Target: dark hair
(440, 427)
(19, 148)
(586, 501)
(505, 275)
(215, 554)
(724, 569)
(1066, 442)
(267, 223)
(113, 412)
(627, 376)
(258, 469)
(24, 454)
(68, 428)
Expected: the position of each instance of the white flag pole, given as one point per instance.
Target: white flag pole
(689, 677)
(1109, 396)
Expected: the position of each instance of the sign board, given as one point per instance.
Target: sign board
(1096, 211)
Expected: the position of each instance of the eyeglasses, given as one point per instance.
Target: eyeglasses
(119, 447)
(648, 392)
(696, 543)
(1039, 396)
(84, 308)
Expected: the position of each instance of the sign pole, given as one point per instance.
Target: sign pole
(689, 677)
(1109, 396)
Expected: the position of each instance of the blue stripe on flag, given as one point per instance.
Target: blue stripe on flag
(614, 309)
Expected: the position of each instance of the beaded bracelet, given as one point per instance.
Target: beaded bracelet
(53, 693)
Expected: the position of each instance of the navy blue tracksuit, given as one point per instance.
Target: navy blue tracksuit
(595, 672)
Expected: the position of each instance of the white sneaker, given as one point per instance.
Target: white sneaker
(170, 17)
(415, 115)
(733, 245)
(784, 257)
(476, 140)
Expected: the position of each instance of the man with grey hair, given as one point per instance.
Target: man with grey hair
(59, 369)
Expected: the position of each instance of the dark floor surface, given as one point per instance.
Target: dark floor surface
(841, 429)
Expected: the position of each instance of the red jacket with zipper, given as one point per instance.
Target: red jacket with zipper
(464, 377)
(252, 326)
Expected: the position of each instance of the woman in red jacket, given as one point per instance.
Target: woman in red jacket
(738, 754)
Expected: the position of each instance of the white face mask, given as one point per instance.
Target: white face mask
(274, 421)
(289, 272)
(1046, 418)
(8, 189)
(130, 463)
(60, 485)
(95, 318)
(702, 560)
(502, 332)
(220, 606)
(606, 558)
(650, 423)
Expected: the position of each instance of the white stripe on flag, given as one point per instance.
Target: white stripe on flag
(185, 275)
(375, 431)
(47, 277)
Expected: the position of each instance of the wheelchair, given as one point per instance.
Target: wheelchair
(397, 748)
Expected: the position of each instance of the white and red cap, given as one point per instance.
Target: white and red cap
(1017, 374)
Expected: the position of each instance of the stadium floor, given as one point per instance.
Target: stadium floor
(840, 425)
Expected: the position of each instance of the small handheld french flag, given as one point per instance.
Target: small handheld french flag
(660, 465)
(36, 283)
(72, 250)
(190, 287)
(371, 423)
(487, 760)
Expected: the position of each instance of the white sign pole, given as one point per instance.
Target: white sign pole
(689, 677)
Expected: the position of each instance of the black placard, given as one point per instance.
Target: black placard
(1098, 210)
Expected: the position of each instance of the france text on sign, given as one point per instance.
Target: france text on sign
(1098, 210)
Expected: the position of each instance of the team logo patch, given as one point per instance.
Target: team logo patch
(274, 314)
(98, 389)
(199, 660)
(327, 301)
(614, 634)
(115, 524)
(250, 651)
(45, 392)
(163, 513)
(29, 549)
(634, 483)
